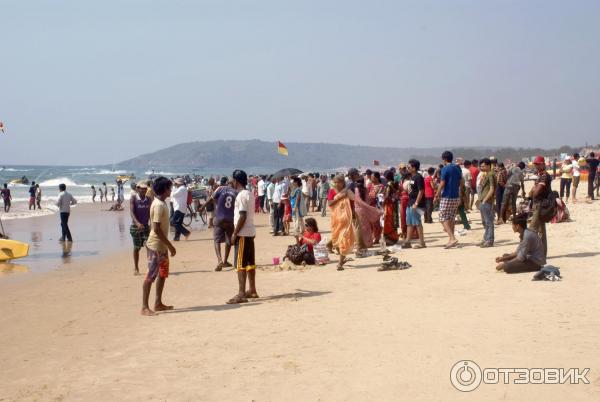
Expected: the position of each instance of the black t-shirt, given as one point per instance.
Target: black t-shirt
(593, 163)
(415, 184)
(32, 191)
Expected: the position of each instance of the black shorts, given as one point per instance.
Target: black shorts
(222, 231)
(243, 255)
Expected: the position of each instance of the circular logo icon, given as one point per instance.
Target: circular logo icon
(465, 375)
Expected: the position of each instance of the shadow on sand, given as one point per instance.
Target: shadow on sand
(575, 255)
(299, 294)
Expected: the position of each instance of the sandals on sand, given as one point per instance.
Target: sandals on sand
(237, 299)
(451, 245)
(394, 265)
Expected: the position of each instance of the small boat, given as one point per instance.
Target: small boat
(126, 177)
(12, 249)
(22, 180)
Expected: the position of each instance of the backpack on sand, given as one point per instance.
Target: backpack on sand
(295, 253)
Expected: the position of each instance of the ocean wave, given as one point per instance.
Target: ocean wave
(15, 170)
(61, 180)
(163, 173)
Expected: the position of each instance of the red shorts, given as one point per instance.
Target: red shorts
(158, 264)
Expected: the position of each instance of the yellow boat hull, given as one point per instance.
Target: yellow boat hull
(12, 249)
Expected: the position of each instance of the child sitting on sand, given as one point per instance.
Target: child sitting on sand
(310, 238)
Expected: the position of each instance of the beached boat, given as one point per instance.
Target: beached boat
(12, 249)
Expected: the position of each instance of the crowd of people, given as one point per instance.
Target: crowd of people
(366, 208)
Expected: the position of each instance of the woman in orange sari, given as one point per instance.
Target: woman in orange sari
(342, 230)
(390, 209)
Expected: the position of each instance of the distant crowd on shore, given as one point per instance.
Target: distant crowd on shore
(367, 208)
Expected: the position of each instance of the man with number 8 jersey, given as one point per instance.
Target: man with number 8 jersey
(224, 197)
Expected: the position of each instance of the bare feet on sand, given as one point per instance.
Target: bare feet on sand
(147, 311)
(162, 307)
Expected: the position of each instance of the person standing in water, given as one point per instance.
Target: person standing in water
(32, 196)
(140, 217)
(6, 197)
(64, 203)
(38, 196)
(93, 194)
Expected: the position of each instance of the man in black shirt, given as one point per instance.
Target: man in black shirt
(541, 188)
(592, 162)
(416, 204)
(32, 195)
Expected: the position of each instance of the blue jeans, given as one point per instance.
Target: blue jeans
(487, 218)
(177, 221)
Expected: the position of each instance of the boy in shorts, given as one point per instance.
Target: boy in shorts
(243, 239)
(158, 246)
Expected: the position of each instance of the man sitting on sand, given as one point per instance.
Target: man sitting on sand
(529, 256)
(158, 247)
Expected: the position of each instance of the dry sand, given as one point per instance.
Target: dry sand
(316, 334)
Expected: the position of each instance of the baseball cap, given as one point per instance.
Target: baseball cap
(539, 159)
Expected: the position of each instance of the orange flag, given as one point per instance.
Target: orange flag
(282, 149)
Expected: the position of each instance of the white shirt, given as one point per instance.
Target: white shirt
(304, 187)
(576, 172)
(278, 193)
(466, 174)
(64, 202)
(179, 198)
(261, 188)
(244, 202)
(270, 191)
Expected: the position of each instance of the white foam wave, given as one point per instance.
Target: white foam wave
(15, 170)
(61, 180)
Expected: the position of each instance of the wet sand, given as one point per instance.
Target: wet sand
(315, 334)
(96, 232)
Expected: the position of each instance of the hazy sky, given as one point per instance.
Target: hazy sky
(85, 82)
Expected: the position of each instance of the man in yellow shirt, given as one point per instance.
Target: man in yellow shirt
(158, 246)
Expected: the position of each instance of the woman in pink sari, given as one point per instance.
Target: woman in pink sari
(366, 214)
(375, 190)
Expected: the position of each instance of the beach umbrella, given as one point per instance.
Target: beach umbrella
(287, 172)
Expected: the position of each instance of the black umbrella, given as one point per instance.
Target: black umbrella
(286, 173)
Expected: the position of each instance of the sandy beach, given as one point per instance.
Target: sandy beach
(75, 333)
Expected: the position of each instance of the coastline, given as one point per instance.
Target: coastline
(315, 333)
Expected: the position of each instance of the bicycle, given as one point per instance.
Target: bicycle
(195, 210)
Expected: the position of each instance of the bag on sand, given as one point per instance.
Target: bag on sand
(321, 254)
(295, 253)
(548, 207)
